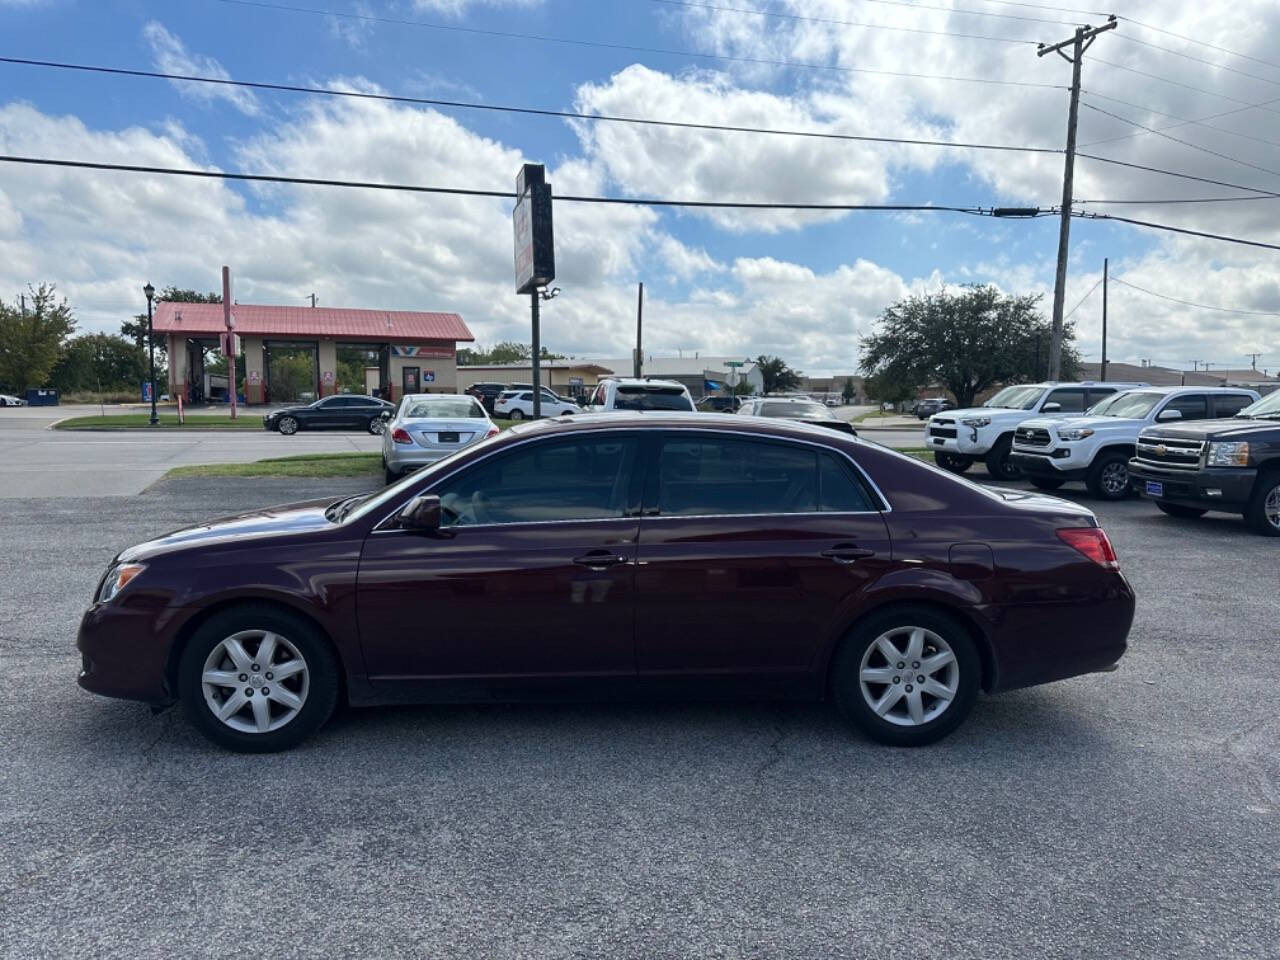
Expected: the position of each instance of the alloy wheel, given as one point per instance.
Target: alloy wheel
(909, 676)
(375, 425)
(1115, 478)
(255, 681)
(288, 426)
(1271, 507)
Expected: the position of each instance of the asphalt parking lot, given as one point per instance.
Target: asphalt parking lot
(1130, 814)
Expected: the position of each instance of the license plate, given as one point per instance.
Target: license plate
(1155, 489)
(450, 437)
(938, 441)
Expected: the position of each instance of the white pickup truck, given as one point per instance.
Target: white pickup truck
(960, 437)
(1097, 448)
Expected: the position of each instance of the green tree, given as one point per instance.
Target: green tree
(849, 393)
(99, 361)
(967, 340)
(777, 375)
(136, 329)
(887, 388)
(31, 338)
(508, 351)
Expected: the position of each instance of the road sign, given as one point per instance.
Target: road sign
(735, 363)
(531, 220)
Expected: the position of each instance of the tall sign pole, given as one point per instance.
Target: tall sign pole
(230, 322)
(535, 254)
(1105, 267)
(1083, 39)
(637, 363)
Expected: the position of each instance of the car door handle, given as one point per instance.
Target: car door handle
(847, 553)
(599, 560)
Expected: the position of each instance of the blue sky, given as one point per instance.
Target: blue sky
(733, 283)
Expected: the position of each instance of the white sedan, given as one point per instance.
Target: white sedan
(9, 400)
(518, 405)
(431, 426)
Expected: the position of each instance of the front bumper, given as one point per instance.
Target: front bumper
(1047, 465)
(962, 444)
(1209, 488)
(124, 653)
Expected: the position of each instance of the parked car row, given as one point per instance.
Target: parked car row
(347, 411)
(651, 554)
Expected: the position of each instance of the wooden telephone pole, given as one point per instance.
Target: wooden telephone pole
(1080, 42)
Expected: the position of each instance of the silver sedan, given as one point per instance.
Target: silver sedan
(430, 426)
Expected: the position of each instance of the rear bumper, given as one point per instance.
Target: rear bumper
(1044, 465)
(411, 457)
(1209, 488)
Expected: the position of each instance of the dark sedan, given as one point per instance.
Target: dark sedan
(611, 556)
(346, 411)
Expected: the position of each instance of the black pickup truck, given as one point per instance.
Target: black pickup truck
(1231, 465)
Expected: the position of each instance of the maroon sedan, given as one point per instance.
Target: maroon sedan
(621, 555)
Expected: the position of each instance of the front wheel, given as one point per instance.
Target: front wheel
(256, 679)
(953, 462)
(1046, 483)
(1179, 511)
(516, 415)
(998, 463)
(1263, 512)
(288, 426)
(1108, 478)
(906, 677)
(375, 425)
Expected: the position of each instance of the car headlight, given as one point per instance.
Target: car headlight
(117, 578)
(1075, 433)
(1229, 454)
(976, 421)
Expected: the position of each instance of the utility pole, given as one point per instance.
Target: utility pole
(1083, 39)
(23, 298)
(1195, 366)
(1253, 357)
(313, 301)
(1105, 262)
(637, 364)
(535, 357)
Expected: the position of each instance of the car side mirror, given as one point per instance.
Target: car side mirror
(385, 415)
(421, 513)
(1051, 408)
(1169, 415)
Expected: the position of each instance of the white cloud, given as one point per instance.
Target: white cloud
(170, 55)
(457, 8)
(354, 30)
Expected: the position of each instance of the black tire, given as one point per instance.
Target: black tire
(321, 678)
(1264, 518)
(998, 463)
(375, 425)
(1179, 511)
(1108, 476)
(288, 426)
(391, 476)
(953, 462)
(846, 686)
(515, 415)
(1045, 483)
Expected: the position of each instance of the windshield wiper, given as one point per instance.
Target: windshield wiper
(337, 512)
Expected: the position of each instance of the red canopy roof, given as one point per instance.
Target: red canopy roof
(205, 319)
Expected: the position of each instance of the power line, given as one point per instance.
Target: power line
(1084, 215)
(1068, 314)
(630, 48)
(470, 192)
(1211, 63)
(1183, 121)
(690, 4)
(1176, 83)
(1163, 201)
(1203, 43)
(1185, 143)
(1189, 303)
(530, 111)
(1181, 176)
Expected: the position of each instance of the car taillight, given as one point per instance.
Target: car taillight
(493, 432)
(401, 435)
(1093, 543)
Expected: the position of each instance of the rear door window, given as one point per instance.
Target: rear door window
(724, 476)
(1071, 401)
(838, 490)
(1192, 406)
(1229, 405)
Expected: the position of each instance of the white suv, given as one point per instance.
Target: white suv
(1096, 448)
(518, 405)
(959, 437)
(616, 393)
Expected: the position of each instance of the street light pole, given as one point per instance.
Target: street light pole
(150, 291)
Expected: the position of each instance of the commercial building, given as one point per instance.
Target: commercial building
(292, 353)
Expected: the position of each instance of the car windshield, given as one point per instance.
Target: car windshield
(1130, 405)
(1268, 408)
(1016, 398)
(652, 398)
(812, 411)
(441, 407)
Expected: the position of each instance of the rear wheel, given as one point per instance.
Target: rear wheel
(288, 426)
(1108, 478)
(515, 415)
(952, 461)
(375, 425)
(906, 677)
(257, 679)
(1263, 512)
(1177, 510)
(1045, 483)
(998, 463)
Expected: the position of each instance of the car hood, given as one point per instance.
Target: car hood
(286, 520)
(992, 412)
(1075, 423)
(1200, 429)
(281, 410)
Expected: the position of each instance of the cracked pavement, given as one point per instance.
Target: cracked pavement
(1131, 814)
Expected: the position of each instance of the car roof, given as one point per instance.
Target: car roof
(1185, 389)
(641, 381)
(439, 396)
(674, 419)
